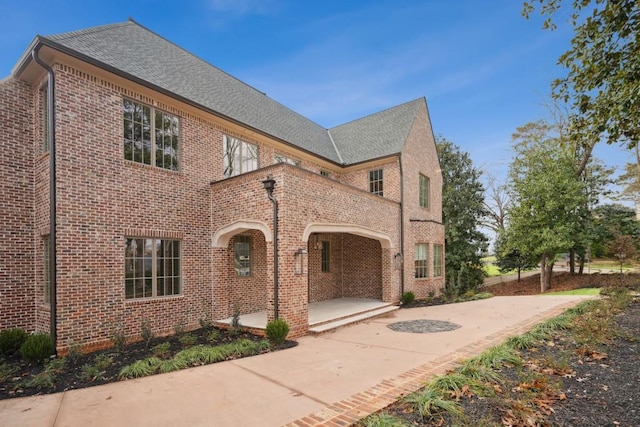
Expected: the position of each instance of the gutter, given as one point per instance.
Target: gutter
(51, 130)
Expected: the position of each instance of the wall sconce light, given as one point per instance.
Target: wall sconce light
(301, 261)
(397, 261)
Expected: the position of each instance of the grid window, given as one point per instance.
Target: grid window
(324, 172)
(239, 156)
(326, 257)
(424, 191)
(422, 260)
(437, 261)
(46, 273)
(150, 136)
(279, 158)
(375, 182)
(152, 268)
(44, 122)
(242, 252)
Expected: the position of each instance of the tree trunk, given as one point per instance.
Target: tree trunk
(543, 272)
(581, 268)
(548, 275)
(572, 261)
(519, 270)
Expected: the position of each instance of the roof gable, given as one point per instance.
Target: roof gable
(377, 135)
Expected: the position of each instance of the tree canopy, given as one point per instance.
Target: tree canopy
(462, 211)
(602, 81)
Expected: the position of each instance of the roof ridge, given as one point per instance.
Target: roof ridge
(91, 30)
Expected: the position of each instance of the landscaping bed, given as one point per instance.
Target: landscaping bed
(580, 368)
(564, 281)
(160, 354)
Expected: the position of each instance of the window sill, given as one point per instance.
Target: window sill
(132, 164)
(139, 301)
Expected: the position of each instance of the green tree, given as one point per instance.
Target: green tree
(546, 194)
(612, 220)
(512, 258)
(622, 247)
(462, 211)
(602, 81)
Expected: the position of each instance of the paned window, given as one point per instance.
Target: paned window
(151, 136)
(239, 156)
(242, 252)
(46, 273)
(152, 268)
(44, 120)
(437, 261)
(279, 158)
(324, 172)
(325, 259)
(422, 260)
(424, 191)
(375, 182)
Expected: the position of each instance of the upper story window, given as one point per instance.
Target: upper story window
(324, 173)
(44, 122)
(152, 268)
(424, 191)
(279, 158)
(239, 156)
(375, 182)
(150, 136)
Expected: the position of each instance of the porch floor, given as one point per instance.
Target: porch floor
(319, 312)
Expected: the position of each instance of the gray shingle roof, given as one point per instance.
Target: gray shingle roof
(137, 52)
(378, 135)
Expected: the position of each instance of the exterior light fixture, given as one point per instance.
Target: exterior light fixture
(301, 264)
(397, 261)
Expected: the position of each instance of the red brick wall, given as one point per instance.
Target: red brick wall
(362, 267)
(325, 285)
(390, 178)
(422, 225)
(17, 288)
(250, 293)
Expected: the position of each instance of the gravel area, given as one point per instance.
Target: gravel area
(423, 326)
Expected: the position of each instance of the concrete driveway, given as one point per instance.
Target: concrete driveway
(333, 379)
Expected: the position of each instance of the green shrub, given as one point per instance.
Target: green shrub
(188, 340)
(37, 348)
(277, 331)
(408, 297)
(146, 332)
(89, 372)
(103, 362)
(11, 340)
(161, 350)
(213, 336)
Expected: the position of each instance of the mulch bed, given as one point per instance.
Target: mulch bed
(563, 282)
(71, 377)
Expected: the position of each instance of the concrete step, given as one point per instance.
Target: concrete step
(335, 324)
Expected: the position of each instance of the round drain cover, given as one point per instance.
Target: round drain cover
(423, 326)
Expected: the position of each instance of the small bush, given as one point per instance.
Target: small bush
(188, 340)
(103, 362)
(408, 298)
(118, 337)
(37, 348)
(213, 336)
(11, 340)
(161, 350)
(277, 331)
(146, 332)
(89, 372)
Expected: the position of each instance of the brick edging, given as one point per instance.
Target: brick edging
(349, 411)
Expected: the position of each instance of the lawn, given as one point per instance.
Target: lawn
(582, 291)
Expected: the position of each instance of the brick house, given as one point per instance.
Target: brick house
(158, 164)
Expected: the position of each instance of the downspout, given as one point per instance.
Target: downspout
(269, 185)
(402, 264)
(51, 130)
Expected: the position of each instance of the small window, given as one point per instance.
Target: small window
(437, 260)
(151, 136)
(326, 257)
(44, 122)
(152, 268)
(279, 158)
(422, 260)
(324, 173)
(46, 273)
(239, 156)
(242, 253)
(424, 191)
(375, 182)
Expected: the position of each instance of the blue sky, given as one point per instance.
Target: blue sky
(482, 67)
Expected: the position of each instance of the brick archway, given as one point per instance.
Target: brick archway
(224, 234)
(385, 241)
